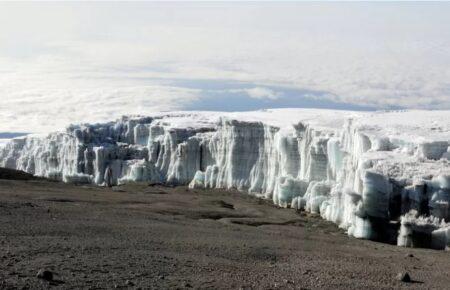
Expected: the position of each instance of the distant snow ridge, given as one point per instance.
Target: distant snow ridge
(382, 176)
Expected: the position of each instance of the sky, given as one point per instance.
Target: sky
(63, 63)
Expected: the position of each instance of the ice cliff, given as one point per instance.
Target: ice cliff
(380, 175)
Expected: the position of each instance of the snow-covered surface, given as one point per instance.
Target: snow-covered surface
(380, 175)
(408, 125)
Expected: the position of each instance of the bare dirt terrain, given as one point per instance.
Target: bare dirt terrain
(154, 237)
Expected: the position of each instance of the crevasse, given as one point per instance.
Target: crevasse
(370, 181)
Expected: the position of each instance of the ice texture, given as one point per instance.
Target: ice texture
(380, 175)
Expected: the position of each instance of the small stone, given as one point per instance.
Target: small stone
(409, 255)
(404, 277)
(45, 275)
(129, 283)
(117, 189)
(161, 277)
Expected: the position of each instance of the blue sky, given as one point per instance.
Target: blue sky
(77, 62)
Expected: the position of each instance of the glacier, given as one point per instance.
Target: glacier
(382, 176)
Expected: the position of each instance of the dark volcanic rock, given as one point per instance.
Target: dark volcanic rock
(45, 275)
(404, 277)
(129, 283)
(7, 173)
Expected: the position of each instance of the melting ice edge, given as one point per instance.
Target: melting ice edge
(380, 175)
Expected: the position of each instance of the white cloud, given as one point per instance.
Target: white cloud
(43, 103)
(262, 93)
(258, 93)
(71, 62)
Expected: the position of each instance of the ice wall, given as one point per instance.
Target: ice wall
(375, 185)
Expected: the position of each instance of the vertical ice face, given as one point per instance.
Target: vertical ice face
(433, 150)
(374, 180)
(376, 194)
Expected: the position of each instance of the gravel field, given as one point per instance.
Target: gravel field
(154, 237)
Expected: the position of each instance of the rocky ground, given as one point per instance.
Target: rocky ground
(155, 237)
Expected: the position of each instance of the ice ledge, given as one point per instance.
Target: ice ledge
(380, 175)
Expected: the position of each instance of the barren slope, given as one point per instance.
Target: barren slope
(160, 238)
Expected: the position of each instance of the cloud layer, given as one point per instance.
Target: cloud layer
(74, 62)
